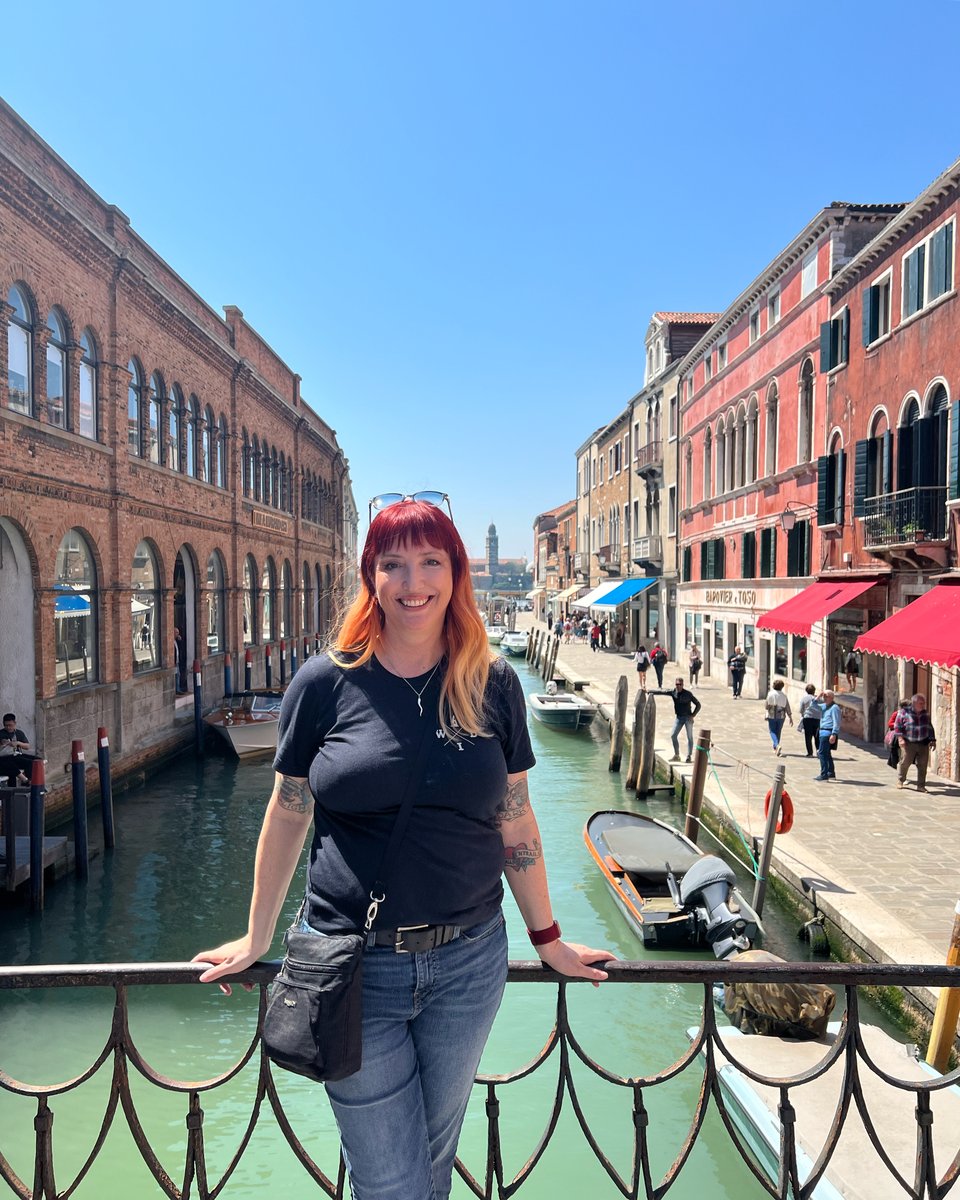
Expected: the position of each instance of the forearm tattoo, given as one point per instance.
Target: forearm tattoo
(515, 804)
(294, 794)
(522, 856)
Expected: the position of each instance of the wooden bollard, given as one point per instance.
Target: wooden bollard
(648, 733)
(633, 770)
(766, 854)
(106, 788)
(618, 723)
(197, 708)
(78, 771)
(248, 670)
(944, 1028)
(698, 778)
(38, 782)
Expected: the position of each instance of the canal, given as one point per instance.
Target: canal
(180, 881)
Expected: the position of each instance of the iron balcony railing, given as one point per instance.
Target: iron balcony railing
(903, 518)
(649, 457)
(121, 1059)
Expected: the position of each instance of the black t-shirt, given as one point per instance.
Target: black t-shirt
(354, 733)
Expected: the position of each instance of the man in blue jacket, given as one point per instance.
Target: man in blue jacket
(829, 732)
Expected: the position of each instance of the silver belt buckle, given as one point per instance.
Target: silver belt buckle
(398, 946)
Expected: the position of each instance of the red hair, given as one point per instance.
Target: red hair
(416, 523)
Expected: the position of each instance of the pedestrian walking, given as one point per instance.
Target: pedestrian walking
(852, 669)
(890, 739)
(696, 662)
(778, 711)
(659, 660)
(567, 631)
(737, 662)
(810, 720)
(549, 619)
(642, 659)
(603, 634)
(685, 708)
(595, 637)
(829, 734)
(916, 738)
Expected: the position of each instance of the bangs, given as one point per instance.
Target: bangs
(412, 523)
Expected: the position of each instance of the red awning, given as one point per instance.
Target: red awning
(926, 631)
(800, 612)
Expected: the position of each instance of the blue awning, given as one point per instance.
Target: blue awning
(72, 604)
(625, 591)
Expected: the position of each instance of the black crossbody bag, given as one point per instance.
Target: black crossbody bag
(312, 1024)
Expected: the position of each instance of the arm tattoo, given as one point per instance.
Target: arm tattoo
(516, 803)
(294, 794)
(520, 857)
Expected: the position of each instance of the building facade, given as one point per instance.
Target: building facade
(166, 494)
(555, 545)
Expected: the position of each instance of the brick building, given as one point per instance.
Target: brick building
(554, 548)
(159, 471)
(753, 427)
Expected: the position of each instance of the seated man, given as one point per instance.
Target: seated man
(14, 747)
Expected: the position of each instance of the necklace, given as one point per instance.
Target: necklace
(419, 694)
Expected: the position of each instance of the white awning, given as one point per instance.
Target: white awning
(568, 592)
(597, 594)
(534, 593)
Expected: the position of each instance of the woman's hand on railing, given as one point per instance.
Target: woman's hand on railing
(570, 958)
(229, 959)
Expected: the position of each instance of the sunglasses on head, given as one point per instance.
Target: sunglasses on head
(386, 499)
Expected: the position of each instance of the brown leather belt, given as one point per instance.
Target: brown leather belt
(415, 939)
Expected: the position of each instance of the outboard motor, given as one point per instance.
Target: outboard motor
(705, 892)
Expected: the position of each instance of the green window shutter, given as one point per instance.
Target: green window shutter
(721, 559)
(861, 458)
(948, 258)
(840, 480)
(825, 335)
(871, 314)
(904, 457)
(886, 472)
(924, 446)
(844, 355)
(773, 553)
(806, 544)
(937, 263)
(825, 489)
(704, 573)
(954, 481)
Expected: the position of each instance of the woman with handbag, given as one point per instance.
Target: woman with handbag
(409, 701)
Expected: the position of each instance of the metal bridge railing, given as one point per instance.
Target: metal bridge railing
(562, 1049)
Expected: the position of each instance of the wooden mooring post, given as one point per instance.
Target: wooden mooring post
(618, 723)
(701, 758)
(773, 816)
(648, 758)
(944, 1030)
(633, 770)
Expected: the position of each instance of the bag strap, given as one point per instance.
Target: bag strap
(378, 893)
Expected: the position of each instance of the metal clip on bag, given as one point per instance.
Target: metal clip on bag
(313, 1022)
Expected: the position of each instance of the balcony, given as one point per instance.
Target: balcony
(648, 550)
(581, 563)
(205, 1155)
(648, 461)
(906, 521)
(608, 559)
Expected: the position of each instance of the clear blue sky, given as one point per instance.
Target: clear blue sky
(455, 218)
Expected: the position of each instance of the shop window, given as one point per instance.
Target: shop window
(718, 639)
(57, 414)
(145, 609)
(780, 659)
(75, 613)
(748, 643)
(798, 661)
(688, 629)
(216, 597)
(268, 595)
(249, 600)
(19, 353)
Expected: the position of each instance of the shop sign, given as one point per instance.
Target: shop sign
(732, 597)
(262, 520)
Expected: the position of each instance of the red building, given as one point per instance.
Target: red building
(753, 425)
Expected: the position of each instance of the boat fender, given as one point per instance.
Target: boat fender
(785, 819)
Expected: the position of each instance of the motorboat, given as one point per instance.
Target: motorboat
(495, 634)
(673, 895)
(515, 642)
(248, 721)
(563, 710)
(814, 1070)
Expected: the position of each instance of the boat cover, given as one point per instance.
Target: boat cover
(647, 849)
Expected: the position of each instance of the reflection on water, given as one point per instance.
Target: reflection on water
(180, 880)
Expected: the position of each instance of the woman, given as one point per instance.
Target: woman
(778, 709)
(642, 659)
(411, 649)
(810, 719)
(696, 662)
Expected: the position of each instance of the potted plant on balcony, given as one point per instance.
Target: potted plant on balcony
(913, 531)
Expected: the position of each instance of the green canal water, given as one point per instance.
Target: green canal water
(180, 881)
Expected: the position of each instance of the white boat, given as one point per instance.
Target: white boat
(854, 1171)
(495, 634)
(515, 642)
(562, 711)
(248, 721)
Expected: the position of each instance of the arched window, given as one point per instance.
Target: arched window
(246, 458)
(274, 478)
(773, 406)
(19, 353)
(157, 391)
(209, 445)
(88, 415)
(255, 469)
(286, 601)
(145, 609)
(268, 590)
(216, 604)
(306, 600)
(879, 480)
(75, 613)
(740, 448)
(57, 414)
(720, 473)
(751, 441)
(907, 446)
(174, 426)
(221, 476)
(249, 600)
(318, 625)
(707, 465)
(264, 473)
(805, 415)
(688, 476)
(134, 395)
(193, 415)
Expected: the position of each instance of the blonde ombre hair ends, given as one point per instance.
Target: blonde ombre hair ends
(415, 523)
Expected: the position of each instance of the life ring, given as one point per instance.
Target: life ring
(785, 819)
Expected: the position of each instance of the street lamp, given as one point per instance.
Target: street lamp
(788, 518)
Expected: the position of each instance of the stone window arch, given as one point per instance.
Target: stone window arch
(75, 613)
(20, 330)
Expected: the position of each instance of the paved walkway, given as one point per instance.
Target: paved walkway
(887, 862)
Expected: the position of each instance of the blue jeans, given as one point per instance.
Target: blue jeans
(682, 723)
(775, 725)
(825, 752)
(426, 1018)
